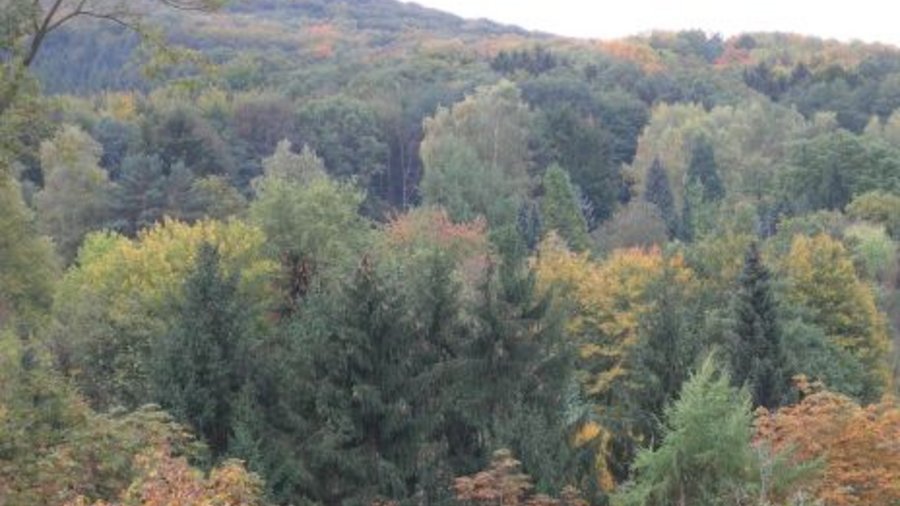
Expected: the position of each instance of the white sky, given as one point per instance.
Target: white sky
(867, 20)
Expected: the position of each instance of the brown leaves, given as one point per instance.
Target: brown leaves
(860, 445)
(504, 484)
(165, 480)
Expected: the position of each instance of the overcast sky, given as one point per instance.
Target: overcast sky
(867, 20)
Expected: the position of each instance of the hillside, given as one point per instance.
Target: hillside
(364, 253)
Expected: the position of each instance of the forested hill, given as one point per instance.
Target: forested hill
(363, 253)
(272, 35)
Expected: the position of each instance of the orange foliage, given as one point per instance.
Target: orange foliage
(860, 446)
(640, 53)
(504, 484)
(164, 480)
(467, 243)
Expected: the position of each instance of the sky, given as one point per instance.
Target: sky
(866, 20)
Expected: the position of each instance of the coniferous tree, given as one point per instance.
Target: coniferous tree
(705, 455)
(560, 208)
(702, 169)
(517, 368)
(199, 370)
(658, 191)
(364, 445)
(757, 358)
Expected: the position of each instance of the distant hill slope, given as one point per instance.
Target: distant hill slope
(276, 34)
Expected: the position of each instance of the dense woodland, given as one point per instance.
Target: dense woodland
(360, 252)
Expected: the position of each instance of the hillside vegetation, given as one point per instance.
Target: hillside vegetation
(362, 252)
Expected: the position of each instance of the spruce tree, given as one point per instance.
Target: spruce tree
(703, 170)
(517, 365)
(199, 369)
(560, 208)
(757, 358)
(364, 445)
(658, 191)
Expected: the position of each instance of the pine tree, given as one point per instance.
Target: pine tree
(757, 358)
(658, 191)
(560, 208)
(365, 442)
(516, 367)
(703, 169)
(200, 364)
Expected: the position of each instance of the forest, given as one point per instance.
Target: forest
(366, 253)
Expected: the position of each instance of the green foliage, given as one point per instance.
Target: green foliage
(705, 455)
(703, 171)
(560, 210)
(118, 300)
(828, 170)
(74, 199)
(637, 225)
(476, 157)
(585, 150)
(757, 359)
(200, 363)
(658, 192)
(878, 207)
(54, 448)
(28, 267)
(311, 222)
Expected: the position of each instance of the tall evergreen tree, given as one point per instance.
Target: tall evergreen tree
(658, 191)
(560, 208)
(517, 368)
(702, 169)
(364, 445)
(200, 364)
(757, 358)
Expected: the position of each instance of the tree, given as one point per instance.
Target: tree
(303, 168)
(74, 199)
(476, 155)
(821, 278)
(117, 301)
(55, 448)
(365, 442)
(705, 455)
(637, 225)
(560, 209)
(147, 193)
(27, 25)
(704, 171)
(504, 484)
(201, 361)
(857, 444)
(607, 301)
(182, 135)
(878, 207)
(519, 348)
(757, 360)
(657, 191)
(27, 263)
(311, 221)
(346, 134)
(163, 479)
(586, 150)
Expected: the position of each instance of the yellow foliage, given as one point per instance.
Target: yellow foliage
(822, 279)
(120, 106)
(608, 299)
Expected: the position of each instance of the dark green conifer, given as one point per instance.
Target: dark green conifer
(658, 191)
(703, 169)
(757, 358)
(199, 371)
